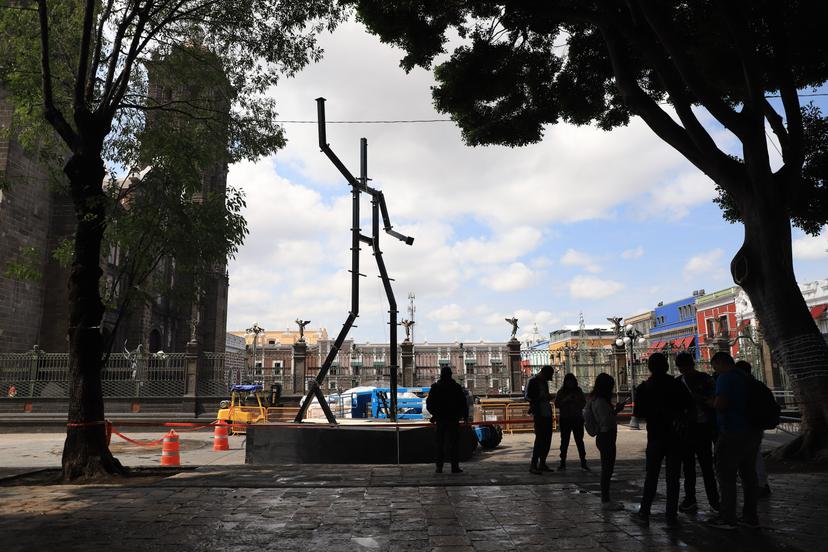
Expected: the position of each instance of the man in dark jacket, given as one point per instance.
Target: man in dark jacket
(701, 430)
(447, 405)
(537, 393)
(665, 405)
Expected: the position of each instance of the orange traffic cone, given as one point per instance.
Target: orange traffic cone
(169, 450)
(220, 441)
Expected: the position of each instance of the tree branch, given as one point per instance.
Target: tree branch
(96, 57)
(83, 58)
(787, 91)
(644, 106)
(778, 127)
(666, 34)
(51, 112)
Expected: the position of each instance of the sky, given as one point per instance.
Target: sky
(586, 221)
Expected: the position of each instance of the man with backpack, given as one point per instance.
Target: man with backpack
(737, 444)
(537, 393)
(665, 404)
(701, 430)
(763, 413)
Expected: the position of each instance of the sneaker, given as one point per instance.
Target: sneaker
(535, 470)
(688, 505)
(640, 519)
(439, 469)
(562, 466)
(612, 506)
(545, 468)
(456, 470)
(585, 467)
(720, 523)
(750, 523)
(763, 491)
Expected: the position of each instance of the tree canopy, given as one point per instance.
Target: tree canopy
(514, 67)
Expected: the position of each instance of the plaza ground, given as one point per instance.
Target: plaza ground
(217, 503)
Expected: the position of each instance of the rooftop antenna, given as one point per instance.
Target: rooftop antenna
(411, 310)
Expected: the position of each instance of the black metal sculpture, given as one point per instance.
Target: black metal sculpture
(378, 208)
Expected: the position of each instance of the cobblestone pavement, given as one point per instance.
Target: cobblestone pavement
(492, 506)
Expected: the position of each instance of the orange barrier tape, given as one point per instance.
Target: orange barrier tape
(139, 443)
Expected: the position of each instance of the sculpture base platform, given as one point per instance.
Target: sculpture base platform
(350, 443)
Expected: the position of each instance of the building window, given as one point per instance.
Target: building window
(711, 328)
(724, 327)
(271, 342)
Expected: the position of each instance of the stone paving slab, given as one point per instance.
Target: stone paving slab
(204, 513)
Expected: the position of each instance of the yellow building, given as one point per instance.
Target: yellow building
(283, 337)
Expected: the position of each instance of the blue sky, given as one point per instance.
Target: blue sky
(586, 221)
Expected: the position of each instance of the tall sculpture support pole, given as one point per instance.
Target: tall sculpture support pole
(516, 383)
(300, 358)
(407, 349)
(192, 356)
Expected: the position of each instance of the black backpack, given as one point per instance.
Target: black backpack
(761, 409)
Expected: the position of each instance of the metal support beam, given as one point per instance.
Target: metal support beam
(378, 208)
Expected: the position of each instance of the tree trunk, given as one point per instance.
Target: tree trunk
(86, 451)
(764, 269)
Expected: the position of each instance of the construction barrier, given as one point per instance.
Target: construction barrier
(170, 450)
(220, 441)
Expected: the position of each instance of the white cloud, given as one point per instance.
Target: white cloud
(512, 278)
(454, 329)
(811, 248)
(704, 263)
(590, 287)
(573, 257)
(446, 312)
(635, 253)
(673, 200)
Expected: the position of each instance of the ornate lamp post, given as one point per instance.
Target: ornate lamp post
(255, 329)
(631, 337)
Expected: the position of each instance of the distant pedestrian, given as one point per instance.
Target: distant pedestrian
(601, 418)
(736, 446)
(570, 401)
(537, 393)
(763, 490)
(447, 404)
(701, 431)
(664, 403)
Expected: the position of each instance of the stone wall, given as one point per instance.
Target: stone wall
(24, 221)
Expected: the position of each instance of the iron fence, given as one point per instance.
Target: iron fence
(36, 374)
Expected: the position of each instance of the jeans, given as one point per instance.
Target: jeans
(736, 453)
(575, 426)
(700, 446)
(659, 449)
(448, 430)
(606, 446)
(543, 439)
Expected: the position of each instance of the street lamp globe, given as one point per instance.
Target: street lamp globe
(627, 340)
(628, 328)
(642, 340)
(619, 342)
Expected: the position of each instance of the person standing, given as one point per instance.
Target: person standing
(736, 446)
(537, 393)
(701, 430)
(447, 404)
(600, 408)
(570, 401)
(763, 489)
(663, 402)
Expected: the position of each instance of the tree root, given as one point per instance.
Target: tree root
(807, 447)
(92, 468)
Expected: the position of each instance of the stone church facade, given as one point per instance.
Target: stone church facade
(36, 216)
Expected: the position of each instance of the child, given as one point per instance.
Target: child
(600, 401)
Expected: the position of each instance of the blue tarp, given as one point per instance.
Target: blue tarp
(247, 387)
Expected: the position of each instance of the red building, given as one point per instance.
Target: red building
(716, 323)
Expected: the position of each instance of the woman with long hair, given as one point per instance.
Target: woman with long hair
(570, 402)
(600, 401)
